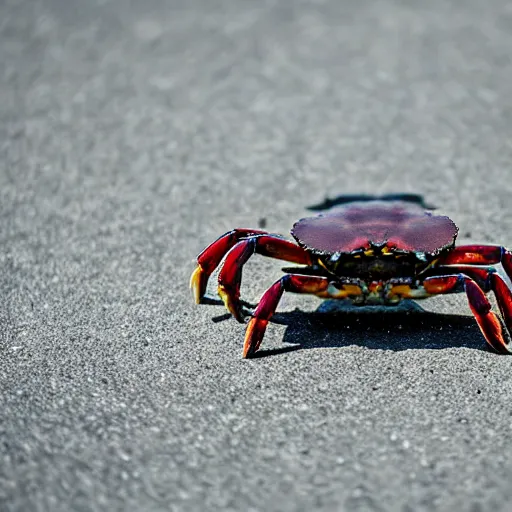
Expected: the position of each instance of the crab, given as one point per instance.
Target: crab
(370, 253)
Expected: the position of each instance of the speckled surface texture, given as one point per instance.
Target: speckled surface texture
(131, 136)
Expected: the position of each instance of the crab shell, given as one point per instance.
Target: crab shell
(393, 227)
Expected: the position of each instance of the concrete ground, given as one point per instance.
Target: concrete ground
(132, 134)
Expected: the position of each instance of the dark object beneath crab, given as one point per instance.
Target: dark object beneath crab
(373, 252)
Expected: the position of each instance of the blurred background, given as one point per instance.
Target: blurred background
(131, 136)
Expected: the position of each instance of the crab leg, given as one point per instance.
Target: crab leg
(488, 279)
(479, 255)
(269, 301)
(296, 283)
(503, 296)
(479, 274)
(488, 322)
(231, 273)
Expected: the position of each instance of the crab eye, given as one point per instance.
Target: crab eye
(335, 257)
(421, 256)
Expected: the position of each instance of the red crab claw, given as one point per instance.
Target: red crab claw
(237, 255)
(211, 257)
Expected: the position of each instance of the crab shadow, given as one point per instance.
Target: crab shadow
(350, 198)
(407, 326)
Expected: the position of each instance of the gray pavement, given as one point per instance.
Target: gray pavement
(132, 134)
